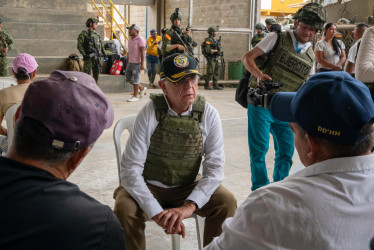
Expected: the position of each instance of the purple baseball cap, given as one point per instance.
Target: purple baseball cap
(71, 106)
(25, 61)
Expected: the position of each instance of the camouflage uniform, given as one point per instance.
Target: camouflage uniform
(5, 41)
(171, 37)
(208, 45)
(258, 37)
(86, 46)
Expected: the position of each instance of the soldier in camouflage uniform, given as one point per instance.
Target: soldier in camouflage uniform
(211, 50)
(6, 43)
(175, 39)
(260, 34)
(291, 63)
(91, 48)
(269, 21)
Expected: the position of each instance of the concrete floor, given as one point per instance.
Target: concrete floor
(98, 176)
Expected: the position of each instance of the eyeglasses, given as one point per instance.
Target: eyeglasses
(193, 79)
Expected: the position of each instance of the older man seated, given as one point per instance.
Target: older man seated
(330, 203)
(172, 135)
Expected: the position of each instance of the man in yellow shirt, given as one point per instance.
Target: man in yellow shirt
(151, 56)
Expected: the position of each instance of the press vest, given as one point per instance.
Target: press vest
(176, 146)
(288, 66)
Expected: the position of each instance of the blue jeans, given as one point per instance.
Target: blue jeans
(260, 124)
(152, 62)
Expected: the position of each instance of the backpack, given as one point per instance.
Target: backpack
(116, 68)
(111, 47)
(74, 63)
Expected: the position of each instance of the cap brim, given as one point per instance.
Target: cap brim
(181, 75)
(280, 106)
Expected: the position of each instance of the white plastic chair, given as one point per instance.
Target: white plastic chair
(128, 123)
(10, 122)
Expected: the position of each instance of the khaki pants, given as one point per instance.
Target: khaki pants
(221, 205)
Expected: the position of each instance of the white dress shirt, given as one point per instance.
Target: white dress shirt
(352, 54)
(328, 205)
(134, 157)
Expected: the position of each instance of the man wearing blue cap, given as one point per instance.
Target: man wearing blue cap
(164, 152)
(151, 56)
(329, 204)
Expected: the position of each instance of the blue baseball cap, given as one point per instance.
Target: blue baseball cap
(153, 31)
(331, 105)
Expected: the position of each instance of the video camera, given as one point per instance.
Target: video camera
(261, 96)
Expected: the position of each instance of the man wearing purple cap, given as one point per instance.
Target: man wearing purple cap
(330, 203)
(172, 134)
(61, 118)
(24, 70)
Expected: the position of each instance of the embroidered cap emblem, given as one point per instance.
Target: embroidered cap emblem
(181, 61)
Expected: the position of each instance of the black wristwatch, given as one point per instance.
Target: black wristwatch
(192, 202)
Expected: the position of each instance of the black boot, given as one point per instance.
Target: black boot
(215, 86)
(207, 87)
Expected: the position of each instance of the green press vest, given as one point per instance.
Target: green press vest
(175, 151)
(288, 66)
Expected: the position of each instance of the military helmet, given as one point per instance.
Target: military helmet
(175, 15)
(270, 21)
(259, 26)
(91, 20)
(343, 21)
(312, 14)
(211, 30)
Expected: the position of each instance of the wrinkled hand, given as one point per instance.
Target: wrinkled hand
(171, 220)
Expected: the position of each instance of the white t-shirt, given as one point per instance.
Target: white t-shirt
(270, 39)
(328, 53)
(352, 54)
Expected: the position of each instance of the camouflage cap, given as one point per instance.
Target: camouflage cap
(259, 26)
(91, 20)
(270, 21)
(343, 21)
(312, 14)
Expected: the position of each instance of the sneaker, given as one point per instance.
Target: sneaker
(133, 99)
(142, 92)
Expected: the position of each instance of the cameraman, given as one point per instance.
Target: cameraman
(291, 63)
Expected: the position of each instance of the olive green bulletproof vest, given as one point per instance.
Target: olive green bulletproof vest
(288, 66)
(175, 151)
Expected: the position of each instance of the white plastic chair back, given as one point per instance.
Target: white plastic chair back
(10, 122)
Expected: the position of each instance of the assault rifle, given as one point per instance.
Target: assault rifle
(95, 53)
(217, 44)
(187, 46)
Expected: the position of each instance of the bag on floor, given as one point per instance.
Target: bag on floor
(116, 67)
(74, 63)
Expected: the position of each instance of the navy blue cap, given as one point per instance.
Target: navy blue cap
(331, 105)
(153, 31)
(177, 66)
